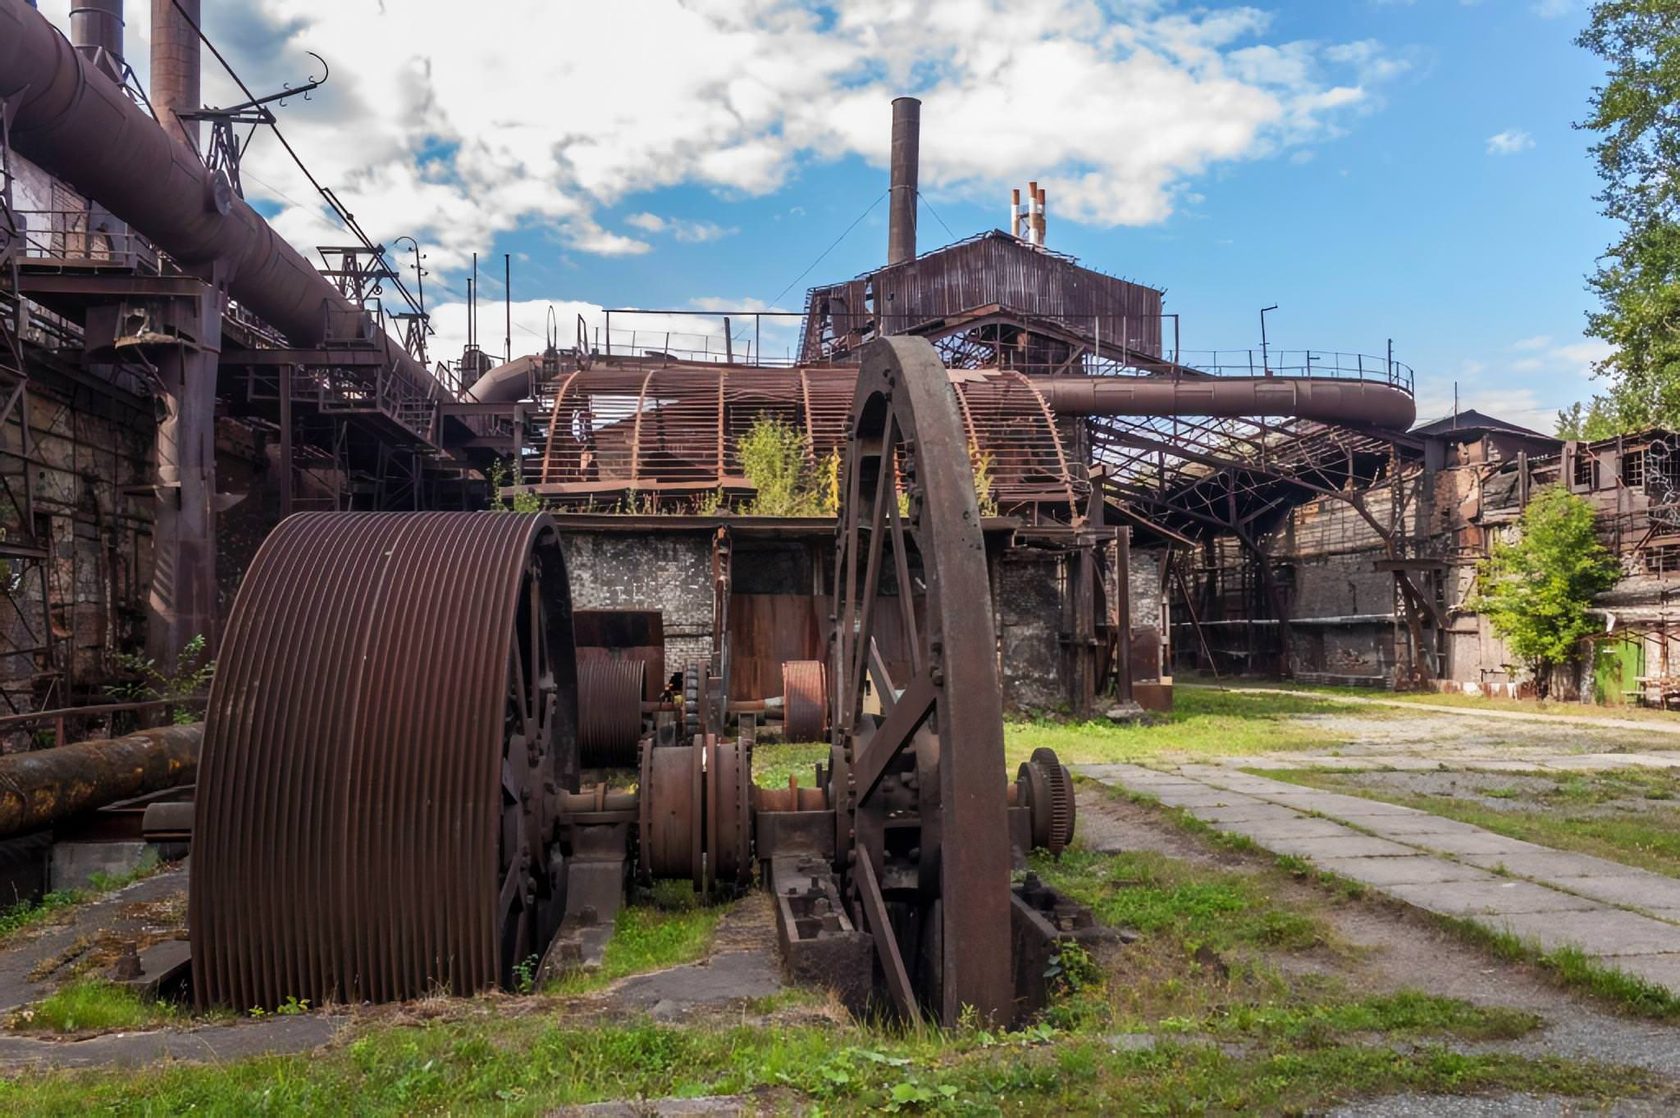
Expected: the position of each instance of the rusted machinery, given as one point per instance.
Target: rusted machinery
(388, 798)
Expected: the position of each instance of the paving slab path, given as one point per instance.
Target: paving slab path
(1620, 916)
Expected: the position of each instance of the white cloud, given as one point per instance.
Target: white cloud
(689, 232)
(1509, 142)
(1527, 385)
(456, 127)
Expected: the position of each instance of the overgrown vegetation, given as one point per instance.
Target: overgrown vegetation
(502, 477)
(776, 459)
(1638, 278)
(670, 927)
(92, 1005)
(1535, 591)
(188, 677)
(1570, 813)
(23, 915)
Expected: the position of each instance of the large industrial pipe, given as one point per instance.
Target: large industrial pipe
(1358, 403)
(906, 159)
(96, 28)
(176, 62)
(41, 788)
(77, 124)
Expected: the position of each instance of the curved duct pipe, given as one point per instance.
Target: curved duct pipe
(76, 123)
(1353, 403)
(1356, 403)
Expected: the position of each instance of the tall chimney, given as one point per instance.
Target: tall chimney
(175, 67)
(1039, 220)
(96, 30)
(906, 156)
(1015, 212)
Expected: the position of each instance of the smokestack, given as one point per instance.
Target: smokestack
(1032, 212)
(1038, 222)
(175, 68)
(1015, 213)
(906, 157)
(96, 30)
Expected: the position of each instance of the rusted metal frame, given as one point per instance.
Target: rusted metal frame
(886, 943)
(554, 425)
(721, 429)
(12, 721)
(636, 433)
(1061, 457)
(857, 668)
(896, 731)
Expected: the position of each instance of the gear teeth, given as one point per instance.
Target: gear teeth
(1062, 811)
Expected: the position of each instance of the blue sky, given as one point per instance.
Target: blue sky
(1338, 159)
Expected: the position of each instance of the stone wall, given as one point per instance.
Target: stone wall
(1027, 594)
(667, 571)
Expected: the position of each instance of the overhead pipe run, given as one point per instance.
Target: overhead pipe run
(43, 787)
(1353, 403)
(78, 124)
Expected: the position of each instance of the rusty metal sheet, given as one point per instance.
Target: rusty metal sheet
(804, 701)
(624, 634)
(766, 631)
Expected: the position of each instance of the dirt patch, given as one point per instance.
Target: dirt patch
(1511, 792)
(1449, 734)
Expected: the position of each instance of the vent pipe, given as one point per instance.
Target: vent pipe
(96, 30)
(1038, 221)
(1015, 213)
(175, 67)
(906, 156)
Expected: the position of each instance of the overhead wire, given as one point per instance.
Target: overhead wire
(823, 255)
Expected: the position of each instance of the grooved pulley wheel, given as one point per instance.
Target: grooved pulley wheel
(393, 713)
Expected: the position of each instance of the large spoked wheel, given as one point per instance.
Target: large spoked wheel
(393, 716)
(917, 752)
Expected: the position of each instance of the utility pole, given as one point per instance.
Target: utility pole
(1265, 360)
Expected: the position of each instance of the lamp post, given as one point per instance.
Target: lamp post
(1265, 360)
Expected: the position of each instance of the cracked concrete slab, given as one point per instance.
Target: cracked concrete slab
(1499, 897)
(1418, 869)
(1608, 932)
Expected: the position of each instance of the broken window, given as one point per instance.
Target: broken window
(1586, 469)
(1633, 468)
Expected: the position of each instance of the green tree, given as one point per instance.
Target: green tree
(1637, 116)
(1536, 590)
(1594, 420)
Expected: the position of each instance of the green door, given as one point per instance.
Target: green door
(1616, 664)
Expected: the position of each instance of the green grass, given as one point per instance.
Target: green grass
(773, 764)
(526, 1066)
(1477, 702)
(1162, 896)
(1408, 1013)
(671, 929)
(93, 1005)
(1205, 722)
(1571, 817)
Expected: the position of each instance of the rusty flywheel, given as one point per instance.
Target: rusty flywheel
(922, 834)
(393, 713)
